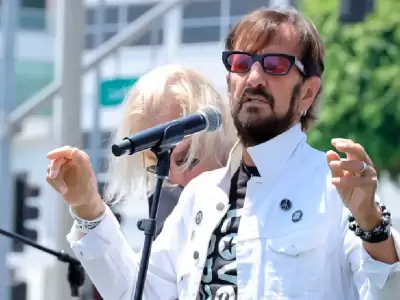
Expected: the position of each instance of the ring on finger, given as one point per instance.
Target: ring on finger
(363, 170)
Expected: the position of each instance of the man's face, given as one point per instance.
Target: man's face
(264, 105)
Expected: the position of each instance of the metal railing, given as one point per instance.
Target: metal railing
(130, 34)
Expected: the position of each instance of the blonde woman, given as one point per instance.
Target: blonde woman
(163, 94)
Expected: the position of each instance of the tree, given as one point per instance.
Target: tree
(361, 93)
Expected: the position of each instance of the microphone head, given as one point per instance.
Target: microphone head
(116, 150)
(213, 117)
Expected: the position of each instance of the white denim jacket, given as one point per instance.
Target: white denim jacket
(316, 258)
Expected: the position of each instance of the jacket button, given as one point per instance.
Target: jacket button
(199, 217)
(195, 254)
(286, 204)
(220, 206)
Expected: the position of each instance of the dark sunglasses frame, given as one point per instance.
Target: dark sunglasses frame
(260, 58)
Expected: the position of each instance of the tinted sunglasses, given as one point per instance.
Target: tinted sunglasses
(278, 64)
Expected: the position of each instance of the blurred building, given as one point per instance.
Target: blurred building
(34, 51)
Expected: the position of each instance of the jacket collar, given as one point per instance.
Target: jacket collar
(270, 157)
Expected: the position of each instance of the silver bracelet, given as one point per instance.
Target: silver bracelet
(83, 225)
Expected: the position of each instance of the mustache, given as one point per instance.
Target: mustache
(257, 91)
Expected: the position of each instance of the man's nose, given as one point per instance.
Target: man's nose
(256, 76)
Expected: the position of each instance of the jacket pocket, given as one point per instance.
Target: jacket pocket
(295, 267)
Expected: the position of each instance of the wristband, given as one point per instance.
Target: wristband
(83, 225)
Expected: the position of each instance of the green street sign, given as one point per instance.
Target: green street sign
(113, 91)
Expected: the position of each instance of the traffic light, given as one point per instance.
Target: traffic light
(355, 11)
(23, 211)
(19, 291)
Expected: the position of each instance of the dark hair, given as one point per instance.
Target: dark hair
(255, 30)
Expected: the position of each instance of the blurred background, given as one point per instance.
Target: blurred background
(65, 68)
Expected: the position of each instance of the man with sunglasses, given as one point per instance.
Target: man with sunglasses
(282, 220)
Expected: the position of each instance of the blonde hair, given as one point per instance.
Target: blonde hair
(127, 175)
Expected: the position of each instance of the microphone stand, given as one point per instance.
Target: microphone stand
(76, 274)
(172, 136)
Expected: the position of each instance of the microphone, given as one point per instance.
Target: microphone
(208, 118)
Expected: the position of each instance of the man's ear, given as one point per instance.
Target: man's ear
(310, 90)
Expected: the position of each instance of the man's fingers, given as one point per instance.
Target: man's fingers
(68, 154)
(55, 174)
(80, 156)
(352, 149)
(332, 156)
(51, 183)
(62, 152)
(55, 166)
(353, 166)
(58, 185)
(354, 181)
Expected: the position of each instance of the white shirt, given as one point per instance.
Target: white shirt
(316, 258)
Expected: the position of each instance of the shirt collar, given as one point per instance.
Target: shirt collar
(270, 157)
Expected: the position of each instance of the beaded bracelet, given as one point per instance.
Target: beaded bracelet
(378, 234)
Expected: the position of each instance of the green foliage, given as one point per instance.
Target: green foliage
(361, 93)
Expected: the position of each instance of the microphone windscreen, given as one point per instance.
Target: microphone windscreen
(213, 117)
